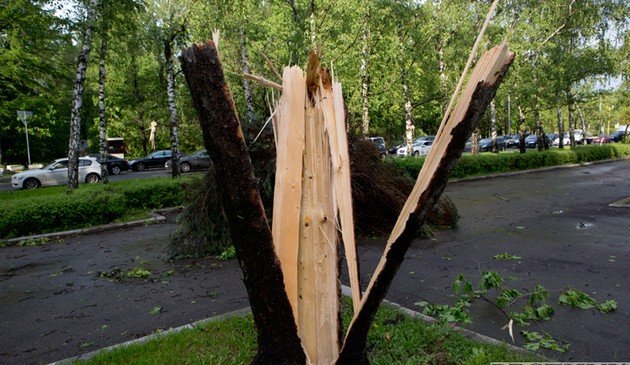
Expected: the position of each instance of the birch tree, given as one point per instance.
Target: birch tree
(77, 96)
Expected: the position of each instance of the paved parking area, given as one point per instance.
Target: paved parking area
(54, 304)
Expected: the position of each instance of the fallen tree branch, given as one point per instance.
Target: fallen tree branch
(263, 81)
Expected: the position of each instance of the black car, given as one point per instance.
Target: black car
(115, 165)
(512, 142)
(155, 159)
(199, 160)
(531, 141)
(616, 136)
(485, 145)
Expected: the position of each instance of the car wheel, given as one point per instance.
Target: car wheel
(184, 167)
(416, 153)
(140, 166)
(31, 183)
(92, 179)
(115, 170)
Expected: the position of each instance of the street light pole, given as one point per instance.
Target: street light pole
(24, 115)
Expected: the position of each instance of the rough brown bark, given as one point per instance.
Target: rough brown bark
(354, 348)
(278, 342)
(560, 129)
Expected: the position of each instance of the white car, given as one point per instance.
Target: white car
(567, 141)
(56, 173)
(419, 148)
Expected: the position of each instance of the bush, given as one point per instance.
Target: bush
(54, 209)
(490, 163)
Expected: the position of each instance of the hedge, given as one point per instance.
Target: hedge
(52, 209)
(490, 163)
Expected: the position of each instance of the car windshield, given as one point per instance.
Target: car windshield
(201, 153)
(49, 165)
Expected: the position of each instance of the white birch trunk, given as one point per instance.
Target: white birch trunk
(77, 99)
(170, 90)
(102, 118)
(249, 97)
(493, 127)
(365, 80)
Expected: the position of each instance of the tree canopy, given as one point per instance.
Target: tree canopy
(568, 53)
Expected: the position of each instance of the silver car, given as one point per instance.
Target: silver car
(56, 173)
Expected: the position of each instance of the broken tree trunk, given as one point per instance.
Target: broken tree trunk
(451, 137)
(312, 198)
(278, 341)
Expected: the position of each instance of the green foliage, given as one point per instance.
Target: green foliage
(536, 341)
(228, 254)
(506, 256)
(577, 299)
(536, 308)
(607, 306)
(490, 163)
(53, 209)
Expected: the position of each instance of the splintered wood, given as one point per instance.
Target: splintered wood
(312, 202)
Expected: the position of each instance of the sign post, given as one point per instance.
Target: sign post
(24, 115)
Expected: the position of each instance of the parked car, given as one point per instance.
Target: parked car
(601, 139)
(513, 141)
(199, 160)
(531, 141)
(393, 149)
(56, 173)
(153, 160)
(616, 136)
(419, 148)
(567, 141)
(115, 165)
(379, 143)
(485, 145)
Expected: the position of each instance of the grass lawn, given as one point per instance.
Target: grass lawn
(394, 339)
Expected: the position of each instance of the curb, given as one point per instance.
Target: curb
(155, 218)
(471, 335)
(345, 290)
(542, 169)
(70, 360)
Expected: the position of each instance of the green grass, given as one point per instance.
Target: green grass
(492, 163)
(394, 339)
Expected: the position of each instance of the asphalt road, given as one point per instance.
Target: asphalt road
(54, 304)
(561, 226)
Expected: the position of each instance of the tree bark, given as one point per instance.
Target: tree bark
(354, 348)
(571, 107)
(409, 127)
(249, 96)
(540, 133)
(102, 117)
(522, 128)
(138, 99)
(474, 142)
(172, 108)
(509, 116)
(560, 129)
(278, 342)
(77, 99)
(365, 79)
(493, 127)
